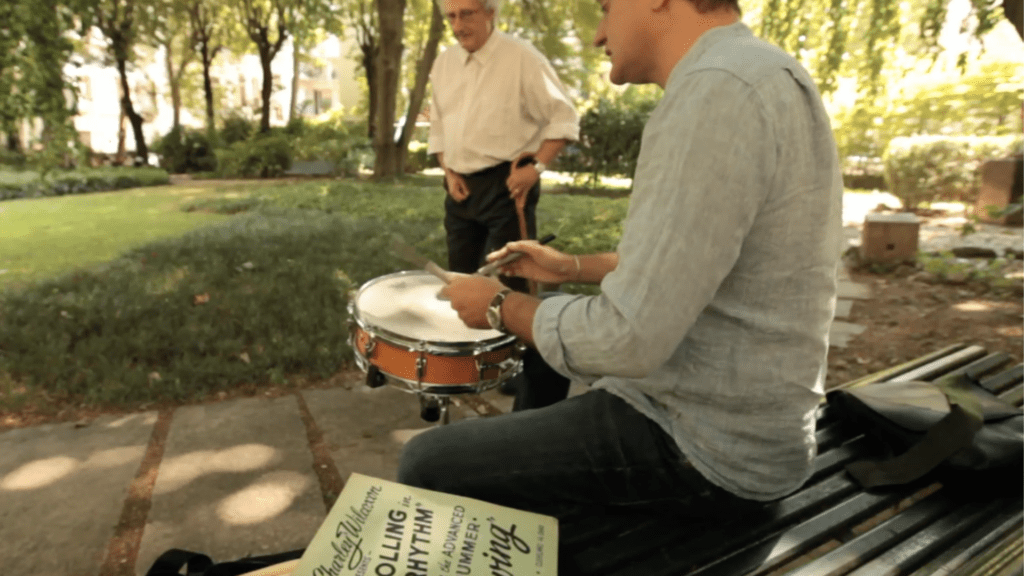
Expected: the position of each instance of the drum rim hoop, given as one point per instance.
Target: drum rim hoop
(435, 347)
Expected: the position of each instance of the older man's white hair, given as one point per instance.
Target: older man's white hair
(487, 4)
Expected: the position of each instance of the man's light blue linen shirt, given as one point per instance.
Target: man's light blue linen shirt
(715, 322)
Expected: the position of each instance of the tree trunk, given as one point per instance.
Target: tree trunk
(119, 156)
(389, 67)
(420, 86)
(267, 90)
(173, 82)
(370, 50)
(13, 142)
(208, 87)
(141, 151)
(295, 80)
(1015, 14)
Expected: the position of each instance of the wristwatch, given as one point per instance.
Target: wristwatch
(494, 310)
(540, 167)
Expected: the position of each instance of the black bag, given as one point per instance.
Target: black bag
(952, 421)
(171, 562)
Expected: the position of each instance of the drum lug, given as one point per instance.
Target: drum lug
(371, 346)
(374, 377)
(421, 368)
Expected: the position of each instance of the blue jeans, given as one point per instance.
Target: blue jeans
(592, 449)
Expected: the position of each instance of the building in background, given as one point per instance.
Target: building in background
(327, 82)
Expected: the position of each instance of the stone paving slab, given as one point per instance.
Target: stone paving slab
(236, 479)
(365, 428)
(843, 308)
(62, 489)
(841, 333)
(853, 290)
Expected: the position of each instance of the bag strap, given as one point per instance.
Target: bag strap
(948, 436)
(171, 562)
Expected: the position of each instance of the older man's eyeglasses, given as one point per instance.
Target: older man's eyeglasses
(462, 14)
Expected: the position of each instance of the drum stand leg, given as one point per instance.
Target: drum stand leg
(445, 404)
(434, 408)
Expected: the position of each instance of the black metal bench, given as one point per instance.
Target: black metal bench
(944, 524)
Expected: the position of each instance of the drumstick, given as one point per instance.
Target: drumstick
(409, 254)
(488, 269)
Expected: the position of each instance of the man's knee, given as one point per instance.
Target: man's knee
(421, 458)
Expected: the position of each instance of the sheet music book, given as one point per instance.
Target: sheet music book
(382, 528)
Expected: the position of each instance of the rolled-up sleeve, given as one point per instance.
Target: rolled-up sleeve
(704, 169)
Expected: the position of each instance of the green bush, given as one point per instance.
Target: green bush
(610, 135)
(236, 128)
(186, 150)
(62, 182)
(265, 155)
(337, 140)
(12, 158)
(941, 168)
(418, 159)
(983, 103)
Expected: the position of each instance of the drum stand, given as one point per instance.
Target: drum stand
(434, 408)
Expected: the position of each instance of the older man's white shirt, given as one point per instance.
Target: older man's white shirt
(491, 105)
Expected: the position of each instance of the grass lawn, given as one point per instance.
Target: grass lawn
(45, 237)
(176, 293)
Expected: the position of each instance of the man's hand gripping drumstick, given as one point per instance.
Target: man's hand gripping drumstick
(471, 295)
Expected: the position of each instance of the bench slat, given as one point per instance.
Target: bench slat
(915, 551)
(789, 544)
(715, 538)
(1003, 380)
(876, 540)
(980, 539)
(984, 365)
(941, 366)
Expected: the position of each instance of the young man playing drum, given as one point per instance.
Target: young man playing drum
(705, 352)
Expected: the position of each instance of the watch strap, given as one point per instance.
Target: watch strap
(495, 309)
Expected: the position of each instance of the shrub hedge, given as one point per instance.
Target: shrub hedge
(941, 168)
(59, 183)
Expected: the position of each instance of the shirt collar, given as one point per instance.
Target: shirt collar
(485, 51)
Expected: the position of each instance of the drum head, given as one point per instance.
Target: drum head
(406, 304)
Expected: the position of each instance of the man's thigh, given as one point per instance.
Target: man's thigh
(592, 448)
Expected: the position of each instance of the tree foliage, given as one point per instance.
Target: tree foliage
(33, 51)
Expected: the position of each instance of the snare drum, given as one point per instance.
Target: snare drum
(402, 333)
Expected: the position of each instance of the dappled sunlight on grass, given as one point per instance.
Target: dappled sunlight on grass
(45, 237)
(167, 281)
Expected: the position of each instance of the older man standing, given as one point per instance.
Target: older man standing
(495, 99)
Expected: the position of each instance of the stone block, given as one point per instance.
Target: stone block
(1000, 186)
(889, 237)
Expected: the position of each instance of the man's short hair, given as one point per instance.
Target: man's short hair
(703, 6)
(487, 4)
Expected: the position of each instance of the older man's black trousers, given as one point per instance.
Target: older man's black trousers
(486, 221)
